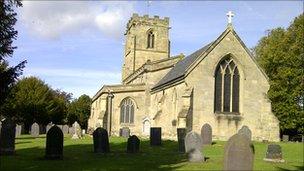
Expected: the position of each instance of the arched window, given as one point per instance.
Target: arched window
(127, 111)
(150, 40)
(227, 85)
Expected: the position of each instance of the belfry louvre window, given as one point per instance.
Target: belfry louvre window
(127, 111)
(150, 42)
(227, 85)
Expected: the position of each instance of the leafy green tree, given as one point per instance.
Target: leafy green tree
(8, 75)
(79, 110)
(281, 54)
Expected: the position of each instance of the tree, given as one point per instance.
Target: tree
(281, 55)
(8, 75)
(79, 110)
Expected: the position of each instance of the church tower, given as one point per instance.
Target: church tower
(146, 39)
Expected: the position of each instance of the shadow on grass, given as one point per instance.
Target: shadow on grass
(298, 168)
(81, 157)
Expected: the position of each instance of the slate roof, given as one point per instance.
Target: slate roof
(180, 68)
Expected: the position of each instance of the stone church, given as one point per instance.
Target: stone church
(220, 84)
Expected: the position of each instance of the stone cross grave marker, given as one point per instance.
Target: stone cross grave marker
(206, 133)
(238, 154)
(54, 143)
(18, 130)
(124, 132)
(76, 131)
(245, 131)
(7, 137)
(193, 146)
(155, 136)
(274, 153)
(181, 134)
(101, 141)
(35, 130)
(133, 144)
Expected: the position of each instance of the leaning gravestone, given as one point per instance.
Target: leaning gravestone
(181, 133)
(48, 126)
(54, 143)
(35, 130)
(133, 144)
(101, 141)
(206, 133)
(7, 137)
(245, 131)
(65, 129)
(18, 130)
(155, 136)
(274, 153)
(77, 131)
(193, 146)
(238, 154)
(125, 132)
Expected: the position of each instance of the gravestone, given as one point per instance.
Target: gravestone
(71, 131)
(124, 132)
(0, 126)
(155, 136)
(18, 130)
(181, 134)
(54, 143)
(65, 129)
(77, 131)
(193, 146)
(60, 126)
(7, 137)
(133, 144)
(246, 131)
(274, 153)
(48, 126)
(238, 154)
(206, 133)
(285, 138)
(101, 141)
(35, 130)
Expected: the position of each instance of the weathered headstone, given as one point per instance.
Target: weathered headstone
(35, 130)
(245, 131)
(124, 132)
(193, 146)
(101, 141)
(206, 133)
(48, 126)
(155, 136)
(181, 134)
(71, 131)
(77, 131)
(285, 138)
(7, 137)
(18, 130)
(274, 153)
(65, 129)
(238, 154)
(54, 143)
(60, 126)
(133, 144)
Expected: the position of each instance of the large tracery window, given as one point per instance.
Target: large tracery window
(227, 85)
(127, 111)
(150, 42)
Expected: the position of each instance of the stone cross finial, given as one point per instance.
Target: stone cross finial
(230, 15)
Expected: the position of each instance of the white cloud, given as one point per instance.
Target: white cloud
(52, 19)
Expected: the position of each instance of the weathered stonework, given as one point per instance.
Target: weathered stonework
(186, 101)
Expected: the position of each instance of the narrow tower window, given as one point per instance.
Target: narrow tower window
(150, 42)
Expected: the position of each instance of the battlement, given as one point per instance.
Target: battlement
(146, 20)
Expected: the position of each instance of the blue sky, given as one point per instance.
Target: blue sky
(77, 46)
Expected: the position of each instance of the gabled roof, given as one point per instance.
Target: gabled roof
(180, 68)
(178, 72)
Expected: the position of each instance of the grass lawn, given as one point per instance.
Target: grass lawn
(78, 155)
